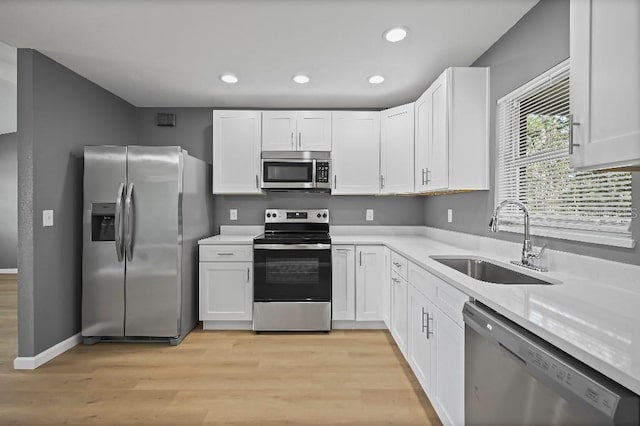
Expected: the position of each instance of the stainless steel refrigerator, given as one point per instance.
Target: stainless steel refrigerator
(145, 207)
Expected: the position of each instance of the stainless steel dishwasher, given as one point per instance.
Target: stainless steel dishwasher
(512, 377)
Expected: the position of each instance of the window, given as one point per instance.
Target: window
(533, 168)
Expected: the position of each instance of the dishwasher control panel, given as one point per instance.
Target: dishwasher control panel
(573, 381)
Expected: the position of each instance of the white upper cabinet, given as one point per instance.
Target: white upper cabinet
(296, 131)
(279, 131)
(355, 152)
(314, 131)
(452, 132)
(397, 150)
(605, 84)
(236, 152)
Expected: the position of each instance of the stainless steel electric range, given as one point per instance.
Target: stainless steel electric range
(292, 272)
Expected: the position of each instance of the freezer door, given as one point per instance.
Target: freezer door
(103, 266)
(153, 241)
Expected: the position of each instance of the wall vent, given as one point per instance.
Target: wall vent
(166, 120)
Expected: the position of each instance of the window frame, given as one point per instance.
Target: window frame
(553, 227)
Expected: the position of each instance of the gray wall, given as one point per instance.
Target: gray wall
(59, 112)
(193, 132)
(345, 210)
(8, 200)
(536, 43)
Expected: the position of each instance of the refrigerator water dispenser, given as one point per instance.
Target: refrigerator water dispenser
(103, 218)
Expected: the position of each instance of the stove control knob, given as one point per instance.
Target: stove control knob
(324, 215)
(268, 214)
(319, 215)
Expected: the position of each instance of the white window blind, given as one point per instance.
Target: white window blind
(533, 168)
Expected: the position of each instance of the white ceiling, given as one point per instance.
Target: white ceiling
(171, 53)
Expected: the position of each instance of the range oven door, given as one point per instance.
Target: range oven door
(292, 273)
(288, 174)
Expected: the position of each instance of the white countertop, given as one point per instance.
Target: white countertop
(598, 323)
(228, 239)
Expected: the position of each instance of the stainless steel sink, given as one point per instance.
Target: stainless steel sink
(487, 271)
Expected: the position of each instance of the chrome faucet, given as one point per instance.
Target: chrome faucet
(528, 255)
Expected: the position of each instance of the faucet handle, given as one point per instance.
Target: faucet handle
(493, 223)
(539, 254)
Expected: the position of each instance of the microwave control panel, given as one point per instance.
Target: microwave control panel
(322, 172)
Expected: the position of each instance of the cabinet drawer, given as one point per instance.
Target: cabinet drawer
(422, 280)
(226, 253)
(399, 264)
(450, 300)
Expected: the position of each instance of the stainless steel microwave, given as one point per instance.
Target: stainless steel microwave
(284, 170)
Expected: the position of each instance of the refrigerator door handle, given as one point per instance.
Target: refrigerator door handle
(128, 224)
(118, 223)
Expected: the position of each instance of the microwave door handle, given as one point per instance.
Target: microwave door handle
(313, 174)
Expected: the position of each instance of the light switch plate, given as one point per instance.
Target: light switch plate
(369, 215)
(450, 215)
(47, 217)
(233, 214)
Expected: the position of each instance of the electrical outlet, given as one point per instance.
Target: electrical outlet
(450, 215)
(233, 214)
(369, 215)
(47, 217)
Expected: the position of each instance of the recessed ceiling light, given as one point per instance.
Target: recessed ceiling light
(301, 79)
(229, 78)
(395, 34)
(376, 79)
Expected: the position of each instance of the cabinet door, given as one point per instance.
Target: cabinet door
(343, 283)
(449, 367)
(369, 273)
(355, 152)
(396, 150)
(605, 83)
(279, 131)
(422, 140)
(236, 152)
(437, 176)
(226, 291)
(314, 131)
(386, 289)
(399, 312)
(420, 349)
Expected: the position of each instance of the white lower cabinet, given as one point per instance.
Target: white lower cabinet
(369, 277)
(357, 283)
(449, 368)
(343, 283)
(399, 311)
(386, 289)
(226, 291)
(435, 349)
(420, 351)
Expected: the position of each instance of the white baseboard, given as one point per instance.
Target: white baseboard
(358, 325)
(227, 325)
(33, 362)
(9, 271)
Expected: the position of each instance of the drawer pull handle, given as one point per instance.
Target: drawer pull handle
(226, 254)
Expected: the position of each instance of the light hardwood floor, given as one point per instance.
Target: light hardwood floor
(224, 378)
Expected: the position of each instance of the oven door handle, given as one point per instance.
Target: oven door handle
(292, 247)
